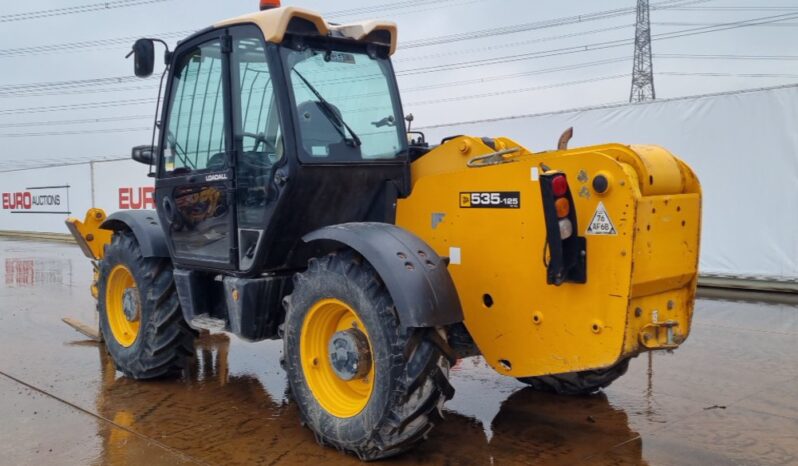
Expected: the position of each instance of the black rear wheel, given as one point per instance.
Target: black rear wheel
(363, 383)
(140, 317)
(577, 383)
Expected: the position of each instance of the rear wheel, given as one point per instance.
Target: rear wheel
(140, 317)
(577, 383)
(363, 383)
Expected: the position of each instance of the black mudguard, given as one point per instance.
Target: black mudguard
(416, 277)
(145, 226)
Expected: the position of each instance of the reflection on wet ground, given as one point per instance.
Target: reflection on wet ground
(728, 396)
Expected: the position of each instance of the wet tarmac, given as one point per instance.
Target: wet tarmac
(728, 396)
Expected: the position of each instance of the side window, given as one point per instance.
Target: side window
(257, 134)
(258, 129)
(195, 127)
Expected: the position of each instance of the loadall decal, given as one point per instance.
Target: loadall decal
(490, 200)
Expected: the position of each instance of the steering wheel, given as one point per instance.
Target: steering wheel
(260, 138)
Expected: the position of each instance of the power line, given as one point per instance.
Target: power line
(419, 103)
(28, 15)
(505, 59)
(69, 84)
(435, 40)
(396, 14)
(76, 132)
(503, 45)
(105, 104)
(726, 57)
(74, 121)
(517, 91)
(62, 47)
(688, 23)
(735, 8)
(512, 29)
(79, 91)
(730, 75)
(427, 87)
(472, 63)
(494, 78)
(597, 45)
(382, 8)
(87, 105)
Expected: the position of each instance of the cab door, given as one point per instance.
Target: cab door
(257, 138)
(195, 188)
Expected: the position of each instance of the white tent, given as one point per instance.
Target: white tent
(743, 146)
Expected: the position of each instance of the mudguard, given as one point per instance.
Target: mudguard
(145, 226)
(416, 277)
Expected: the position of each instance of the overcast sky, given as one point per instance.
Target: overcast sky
(486, 77)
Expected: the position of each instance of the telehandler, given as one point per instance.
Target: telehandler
(293, 203)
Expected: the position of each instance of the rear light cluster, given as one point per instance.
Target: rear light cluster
(565, 255)
(559, 187)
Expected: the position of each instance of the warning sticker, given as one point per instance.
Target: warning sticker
(601, 223)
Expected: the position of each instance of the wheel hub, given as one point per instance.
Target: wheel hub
(130, 304)
(349, 354)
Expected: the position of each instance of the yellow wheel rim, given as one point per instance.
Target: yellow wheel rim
(339, 397)
(125, 331)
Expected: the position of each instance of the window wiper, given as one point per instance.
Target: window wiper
(330, 112)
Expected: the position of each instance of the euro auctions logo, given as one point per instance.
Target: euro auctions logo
(37, 200)
(136, 198)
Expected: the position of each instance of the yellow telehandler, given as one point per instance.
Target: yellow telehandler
(291, 203)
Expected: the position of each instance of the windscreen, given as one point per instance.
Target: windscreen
(347, 108)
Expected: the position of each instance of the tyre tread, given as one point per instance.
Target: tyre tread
(415, 403)
(578, 383)
(168, 341)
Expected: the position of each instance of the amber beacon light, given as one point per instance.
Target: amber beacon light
(269, 4)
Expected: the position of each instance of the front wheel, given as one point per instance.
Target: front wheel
(363, 383)
(140, 317)
(578, 383)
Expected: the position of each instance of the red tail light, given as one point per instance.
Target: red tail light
(559, 186)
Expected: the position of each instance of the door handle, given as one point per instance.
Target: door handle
(168, 210)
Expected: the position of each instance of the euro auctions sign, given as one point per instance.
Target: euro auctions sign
(141, 197)
(37, 200)
(122, 185)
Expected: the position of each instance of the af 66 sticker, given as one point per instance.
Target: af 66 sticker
(491, 200)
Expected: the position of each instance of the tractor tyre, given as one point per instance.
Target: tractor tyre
(140, 317)
(577, 383)
(363, 383)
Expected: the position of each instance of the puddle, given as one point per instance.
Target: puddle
(232, 406)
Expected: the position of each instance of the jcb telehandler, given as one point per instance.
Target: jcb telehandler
(291, 205)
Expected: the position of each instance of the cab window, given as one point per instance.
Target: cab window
(194, 137)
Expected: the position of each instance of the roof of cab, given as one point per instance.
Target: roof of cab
(274, 23)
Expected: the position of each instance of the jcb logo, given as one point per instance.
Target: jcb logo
(465, 200)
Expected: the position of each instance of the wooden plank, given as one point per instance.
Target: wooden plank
(88, 330)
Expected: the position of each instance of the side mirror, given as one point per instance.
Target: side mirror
(144, 154)
(143, 57)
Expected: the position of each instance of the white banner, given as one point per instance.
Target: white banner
(743, 146)
(39, 200)
(123, 185)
